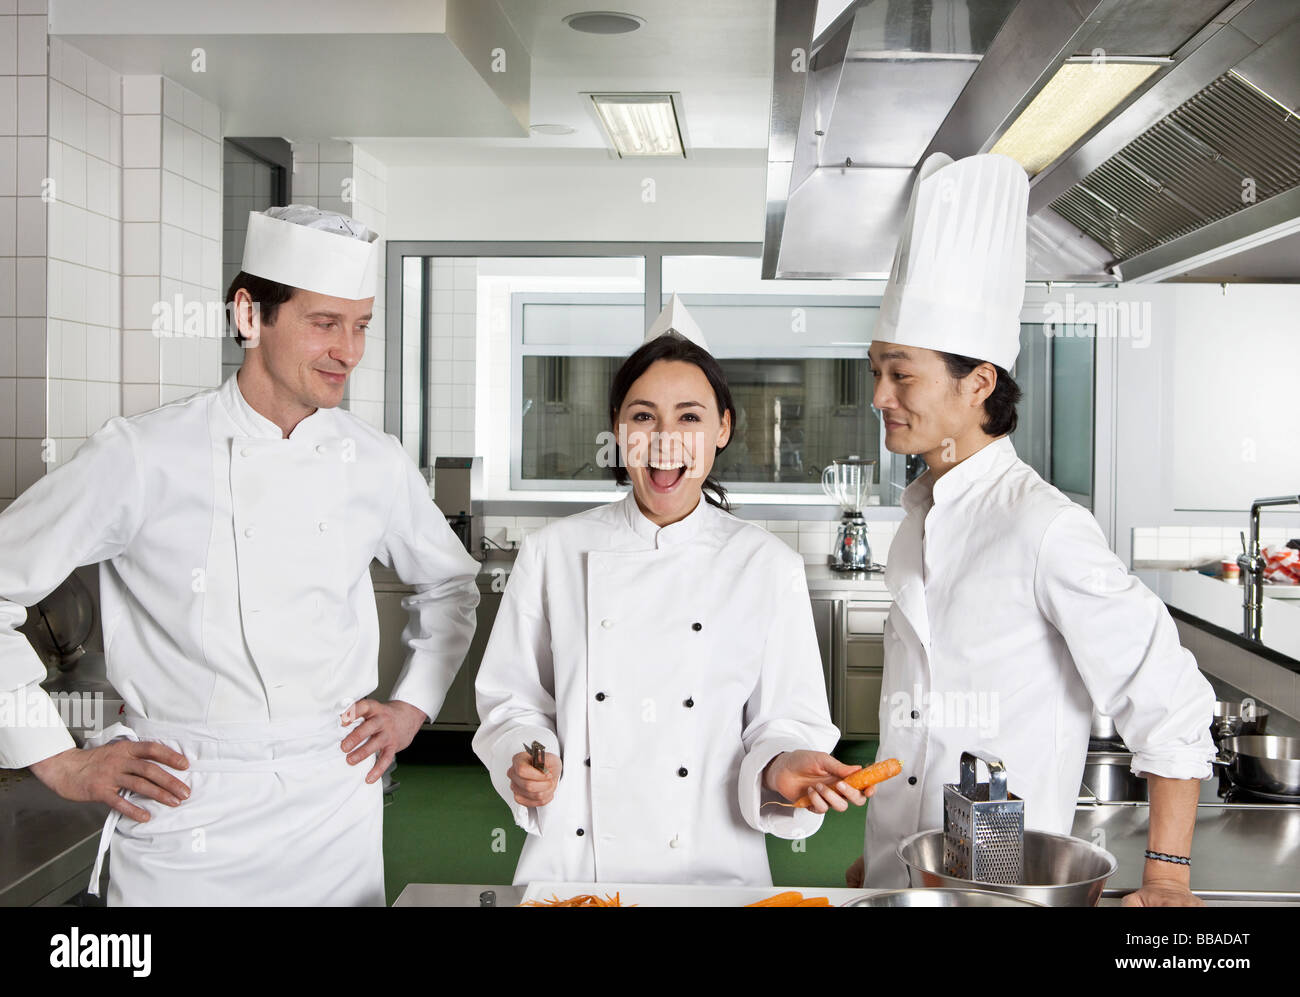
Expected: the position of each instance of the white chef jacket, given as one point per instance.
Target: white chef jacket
(234, 574)
(666, 666)
(1011, 619)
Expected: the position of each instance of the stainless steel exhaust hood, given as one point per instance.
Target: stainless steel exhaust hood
(1153, 190)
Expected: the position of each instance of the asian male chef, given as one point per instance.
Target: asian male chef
(235, 530)
(1012, 618)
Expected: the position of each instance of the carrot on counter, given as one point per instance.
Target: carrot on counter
(582, 900)
(791, 898)
(861, 779)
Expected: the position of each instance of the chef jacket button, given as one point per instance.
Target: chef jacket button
(581, 832)
(246, 451)
(322, 526)
(606, 623)
(675, 843)
(600, 697)
(320, 448)
(682, 772)
(249, 532)
(689, 703)
(697, 626)
(911, 780)
(916, 714)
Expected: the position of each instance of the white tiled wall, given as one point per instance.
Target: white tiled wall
(453, 338)
(813, 539)
(171, 242)
(1183, 545)
(23, 239)
(83, 330)
(246, 186)
(369, 193)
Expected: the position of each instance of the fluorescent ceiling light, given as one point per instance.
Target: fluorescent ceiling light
(640, 124)
(1067, 108)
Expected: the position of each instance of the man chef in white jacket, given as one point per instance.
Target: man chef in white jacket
(235, 530)
(1008, 602)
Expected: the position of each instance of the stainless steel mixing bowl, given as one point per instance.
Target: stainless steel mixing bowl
(1059, 870)
(939, 897)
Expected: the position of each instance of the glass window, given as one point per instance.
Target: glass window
(795, 356)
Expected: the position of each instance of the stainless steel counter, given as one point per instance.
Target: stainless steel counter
(47, 844)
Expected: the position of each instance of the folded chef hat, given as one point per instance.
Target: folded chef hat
(316, 250)
(958, 279)
(676, 320)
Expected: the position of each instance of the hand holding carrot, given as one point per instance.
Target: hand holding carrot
(817, 776)
(531, 787)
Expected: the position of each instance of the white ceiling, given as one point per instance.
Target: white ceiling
(716, 55)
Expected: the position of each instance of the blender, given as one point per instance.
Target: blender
(848, 481)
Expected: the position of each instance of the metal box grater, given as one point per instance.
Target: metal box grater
(983, 824)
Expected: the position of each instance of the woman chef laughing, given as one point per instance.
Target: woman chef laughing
(663, 651)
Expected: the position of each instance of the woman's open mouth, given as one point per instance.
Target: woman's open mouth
(664, 479)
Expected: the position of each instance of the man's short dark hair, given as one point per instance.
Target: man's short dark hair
(268, 294)
(1000, 406)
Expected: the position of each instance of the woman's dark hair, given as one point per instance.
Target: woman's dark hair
(268, 294)
(673, 347)
(1000, 406)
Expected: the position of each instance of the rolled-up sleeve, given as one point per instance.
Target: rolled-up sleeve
(421, 547)
(787, 710)
(1126, 649)
(84, 511)
(515, 687)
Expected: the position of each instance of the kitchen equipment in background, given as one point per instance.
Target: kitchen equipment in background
(1263, 764)
(940, 897)
(1252, 566)
(61, 623)
(1237, 719)
(983, 824)
(1058, 870)
(58, 627)
(86, 702)
(848, 481)
(457, 481)
(1103, 732)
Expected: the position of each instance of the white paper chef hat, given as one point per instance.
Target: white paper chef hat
(675, 319)
(958, 280)
(315, 250)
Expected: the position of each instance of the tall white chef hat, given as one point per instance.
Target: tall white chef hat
(676, 320)
(958, 279)
(316, 250)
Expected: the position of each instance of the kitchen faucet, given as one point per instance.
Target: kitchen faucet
(1251, 563)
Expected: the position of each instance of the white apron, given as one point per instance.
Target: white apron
(276, 817)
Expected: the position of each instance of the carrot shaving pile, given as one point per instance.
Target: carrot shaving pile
(582, 900)
(791, 898)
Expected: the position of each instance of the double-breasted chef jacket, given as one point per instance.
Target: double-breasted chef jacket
(666, 666)
(239, 622)
(1011, 619)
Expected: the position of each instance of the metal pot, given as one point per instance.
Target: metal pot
(939, 898)
(1263, 763)
(1059, 870)
(1237, 720)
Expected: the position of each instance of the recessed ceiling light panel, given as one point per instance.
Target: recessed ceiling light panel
(549, 129)
(640, 124)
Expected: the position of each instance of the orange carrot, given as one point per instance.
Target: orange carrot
(863, 778)
(787, 899)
